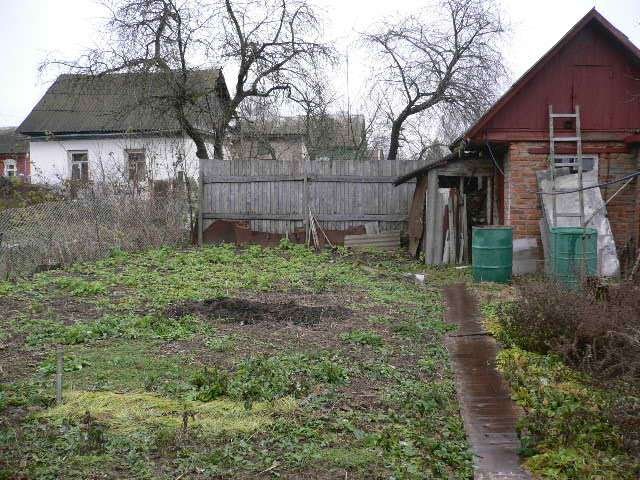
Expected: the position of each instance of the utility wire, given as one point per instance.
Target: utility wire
(598, 185)
(494, 159)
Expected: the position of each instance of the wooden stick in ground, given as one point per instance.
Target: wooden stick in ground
(59, 368)
(324, 234)
(314, 232)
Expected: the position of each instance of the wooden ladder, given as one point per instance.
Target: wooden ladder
(577, 139)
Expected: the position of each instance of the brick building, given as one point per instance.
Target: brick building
(14, 154)
(594, 68)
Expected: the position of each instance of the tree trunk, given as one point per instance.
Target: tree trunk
(394, 141)
(218, 143)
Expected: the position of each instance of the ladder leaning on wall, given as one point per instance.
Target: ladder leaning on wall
(577, 139)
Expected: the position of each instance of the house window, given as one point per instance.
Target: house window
(136, 165)
(79, 166)
(10, 167)
(570, 163)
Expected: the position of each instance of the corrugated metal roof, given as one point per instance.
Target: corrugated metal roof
(12, 142)
(122, 102)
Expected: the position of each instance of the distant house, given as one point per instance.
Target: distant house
(117, 127)
(14, 154)
(294, 138)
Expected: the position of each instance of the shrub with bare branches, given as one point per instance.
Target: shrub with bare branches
(596, 330)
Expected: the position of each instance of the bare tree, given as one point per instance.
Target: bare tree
(267, 41)
(450, 64)
(272, 42)
(314, 96)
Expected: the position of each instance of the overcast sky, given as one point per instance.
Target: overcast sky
(34, 29)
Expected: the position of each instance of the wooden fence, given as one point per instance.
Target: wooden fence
(276, 197)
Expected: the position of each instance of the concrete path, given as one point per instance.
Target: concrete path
(487, 409)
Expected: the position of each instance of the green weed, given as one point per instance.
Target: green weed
(363, 337)
(128, 326)
(222, 343)
(79, 287)
(210, 384)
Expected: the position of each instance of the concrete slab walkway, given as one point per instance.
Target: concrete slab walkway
(489, 413)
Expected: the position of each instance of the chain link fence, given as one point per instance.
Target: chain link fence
(49, 235)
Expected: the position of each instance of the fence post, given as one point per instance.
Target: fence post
(200, 200)
(305, 199)
(94, 205)
(59, 368)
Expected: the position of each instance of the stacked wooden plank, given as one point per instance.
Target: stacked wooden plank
(382, 241)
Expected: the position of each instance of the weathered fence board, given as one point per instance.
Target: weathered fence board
(276, 196)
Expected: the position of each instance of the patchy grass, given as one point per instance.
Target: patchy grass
(357, 384)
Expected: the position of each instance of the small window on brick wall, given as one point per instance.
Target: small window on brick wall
(569, 163)
(10, 167)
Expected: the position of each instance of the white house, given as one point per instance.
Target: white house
(118, 127)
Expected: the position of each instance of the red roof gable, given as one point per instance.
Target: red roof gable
(590, 65)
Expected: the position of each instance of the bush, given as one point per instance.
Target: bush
(596, 330)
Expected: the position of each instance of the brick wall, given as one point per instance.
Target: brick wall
(521, 201)
(22, 163)
(522, 205)
(622, 209)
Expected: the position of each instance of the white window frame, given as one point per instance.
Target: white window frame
(72, 162)
(10, 167)
(136, 151)
(564, 161)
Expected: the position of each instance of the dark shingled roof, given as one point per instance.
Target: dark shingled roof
(12, 142)
(116, 103)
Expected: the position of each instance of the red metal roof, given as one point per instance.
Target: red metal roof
(594, 65)
(632, 138)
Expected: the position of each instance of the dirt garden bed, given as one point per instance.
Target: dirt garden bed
(250, 312)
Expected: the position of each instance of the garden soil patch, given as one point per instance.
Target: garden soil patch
(250, 312)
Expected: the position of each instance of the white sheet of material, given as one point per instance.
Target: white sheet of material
(594, 208)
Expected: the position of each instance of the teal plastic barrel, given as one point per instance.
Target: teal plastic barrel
(492, 254)
(574, 254)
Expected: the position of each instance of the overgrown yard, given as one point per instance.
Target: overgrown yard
(225, 363)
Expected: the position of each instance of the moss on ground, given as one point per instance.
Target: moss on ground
(135, 412)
